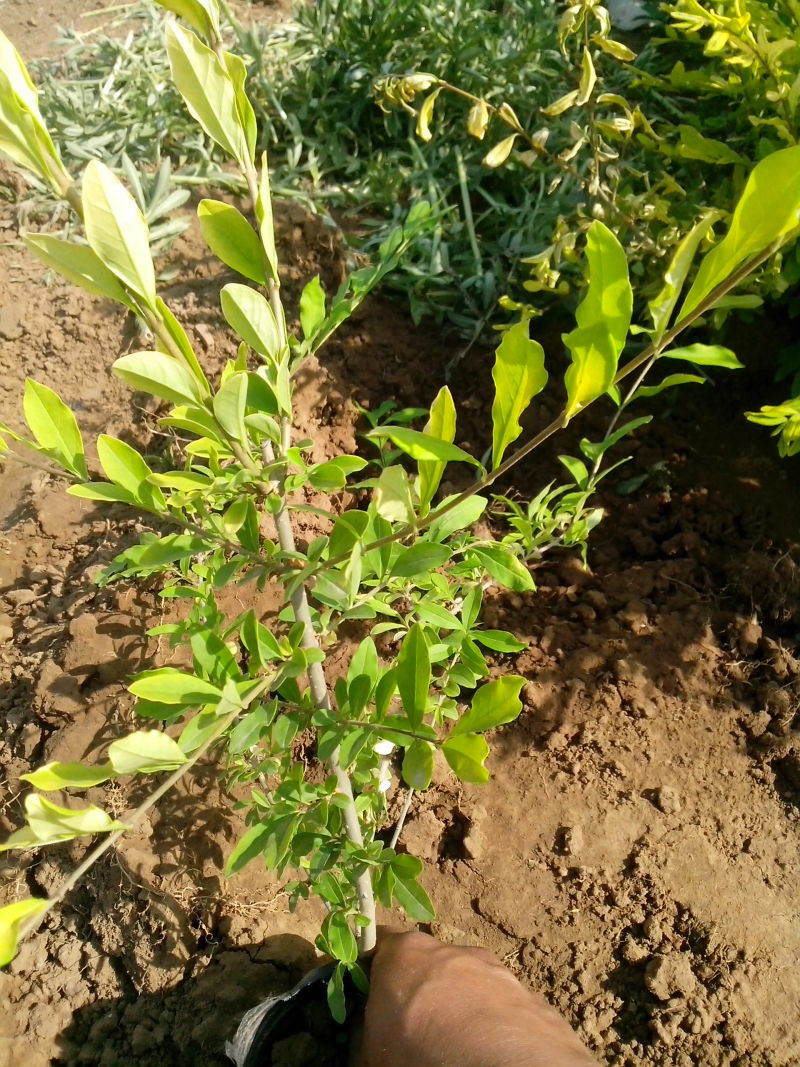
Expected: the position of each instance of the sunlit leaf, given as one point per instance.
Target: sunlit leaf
(54, 427)
(159, 375)
(145, 752)
(414, 674)
(250, 315)
(519, 375)
(166, 685)
(232, 239)
(466, 754)
(79, 264)
(57, 775)
(494, 704)
(11, 918)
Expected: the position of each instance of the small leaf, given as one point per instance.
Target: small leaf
(50, 823)
(11, 918)
(250, 315)
(418, 765)
(145, 752)
(125, 467)
(54, 427)
(68, 776)
(251, 844)
(588, 78)
(705, 356)
(498, 640)
(497, 156)
(116, 230)
(264, 214)
(519, 375)
(504, 567)
(667, 383)
(441, 425)
(230, 403)
(466, 754)
(422, 446)
(166, 685)
(426, 114)
(420, 558)
(232, 239)
(461, 517)
(478, 120)
(494, 704)
(201, 15)
(393, 496)
(158, 375)
(414, 674)
(312, 307)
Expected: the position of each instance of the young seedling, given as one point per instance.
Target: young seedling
(404, 562)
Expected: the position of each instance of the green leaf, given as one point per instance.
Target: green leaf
(662, 305)
(158, 375)
(116, 230)
(229, 406)
(11, 918)
(208, 90)
(504, 567)
(420, 558)
(232, 239)
(603, 318)
(418, 765)
(145, 752)
(519, 375)
(461, 517)
(68, 776)
(339, 937)
(79, 264)
(125, 467)
(393, 496)
(250, 315)
(494, 704)
(705, 356)
(593, 450)
(166, 685)
(178, 335)
(413, 899)
(693, 145)
(54, 427)
(332, 476)
(667, 383)
(201, 15)
(441, 425)
(251, 844)
(768, 213)
(312, 308)
(466, 754)
(422, 446)
(498, 640)
(414, 674)
(264, 215)
(337, 1004)
(50, 823)
(102, 491)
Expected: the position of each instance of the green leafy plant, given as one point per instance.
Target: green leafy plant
(402, 561)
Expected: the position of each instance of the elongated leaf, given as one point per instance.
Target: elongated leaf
(518, 374)
(413, 899)
(705, 356)
(494, 704)
(466, 754)
(12, 917)
(251, 844)
(768, 213)
(418, 765)
(442, 426)
(229, 406)
(312, 308)
(667, 383)
(264, 215)
(414, 674)
(145, 752)
(504, 567)
(593, 450)
(419, 559)
(117, 231)
(50, 823)
(250, 315)
(201, 15)
(339, 938)
(603, 318)
(662, 305)
(461, 517)
(208, 90)
(422, 446)
(237, 71)
(166, 685)
(54, 427)
(125, 467)
(79, 264)
(68, 776)
(102, 491)
(158, 375)
(497, 156)
(498, 640)
(393, 496)
(178, 335)
(232, 239)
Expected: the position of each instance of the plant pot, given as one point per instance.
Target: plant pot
(295, 1029)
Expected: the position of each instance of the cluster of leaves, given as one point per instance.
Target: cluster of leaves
(401, 560)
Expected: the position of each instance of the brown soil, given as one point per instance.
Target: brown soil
(635, 854)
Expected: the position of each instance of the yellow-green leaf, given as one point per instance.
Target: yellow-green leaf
(662, 305)
(54, 427)
(232, 239)
(79, 264)
(145, 752)
(442, 426)
(159, 375)
(11, 918)
(250, 315)
(500, 153)
(68, 776)
(603, 318)
(50, 823)
(518, 374)
(393, 496)
(426, 114)
(264, 215)
(466, 754)
(123, 466)
(494, 704)
(116, 230)
(229, 406)
(201, 15)
(478, 119)
(588, 78)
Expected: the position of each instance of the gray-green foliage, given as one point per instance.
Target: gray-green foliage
(401, 560)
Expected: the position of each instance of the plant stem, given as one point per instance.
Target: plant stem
(402, 818)
(72, 879)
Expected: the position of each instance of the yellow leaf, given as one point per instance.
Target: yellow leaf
(500, 153)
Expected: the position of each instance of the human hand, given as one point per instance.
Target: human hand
(437, 1005)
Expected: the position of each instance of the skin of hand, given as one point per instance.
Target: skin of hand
(437, 1005)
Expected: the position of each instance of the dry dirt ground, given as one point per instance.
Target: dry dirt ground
(635, 854)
